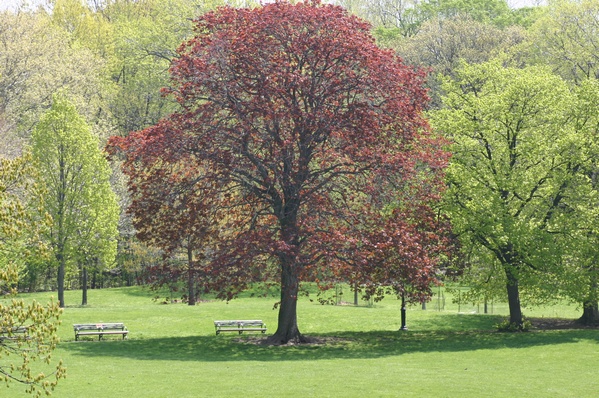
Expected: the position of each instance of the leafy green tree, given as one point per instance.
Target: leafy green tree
(80, 199)
(513, 158)
(581, 256)
(567, 38)
(27, 330)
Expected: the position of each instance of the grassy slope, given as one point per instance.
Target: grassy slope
(173, 351)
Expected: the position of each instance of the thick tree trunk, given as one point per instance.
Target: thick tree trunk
(590, 307)
(287, 329)
(513, 297)
(590, 314)
(83, 285)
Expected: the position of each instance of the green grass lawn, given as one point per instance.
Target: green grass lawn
(172, 351)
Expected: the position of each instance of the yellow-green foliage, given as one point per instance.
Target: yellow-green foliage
(27, 330)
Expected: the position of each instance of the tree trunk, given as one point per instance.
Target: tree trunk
(191, 298)
(513, 297)
(590, 314)
(403, 312)
(287, 329)
(590, 307)
(60, 278)
(83, 285)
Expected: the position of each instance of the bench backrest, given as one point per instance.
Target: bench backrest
(98, 326)
(237, 323)
(9, 333)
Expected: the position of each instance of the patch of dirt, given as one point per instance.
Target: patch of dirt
(309, 341)
(558, 324)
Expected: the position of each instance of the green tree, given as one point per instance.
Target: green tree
(513, 158)
(27, 330)
(80, 199)
(581, 257)
(567, 38)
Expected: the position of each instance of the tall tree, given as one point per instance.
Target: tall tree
(514, 155)
(80, 199)
(27, 330)
(567, 38)
(581, 257)
(307, 126)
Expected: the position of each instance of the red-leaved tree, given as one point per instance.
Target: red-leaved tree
(316, 141)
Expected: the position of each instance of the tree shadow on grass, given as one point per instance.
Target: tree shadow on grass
(338, 345)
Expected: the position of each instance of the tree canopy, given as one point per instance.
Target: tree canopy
(80, 200)
(310, 131)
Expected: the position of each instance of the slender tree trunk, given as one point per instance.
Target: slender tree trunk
(513, 297)
(403, 312)
(191, 298)
(83, 285)
(60, 278)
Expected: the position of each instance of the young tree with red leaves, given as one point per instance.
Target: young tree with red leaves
(173, 204)
(314, 136)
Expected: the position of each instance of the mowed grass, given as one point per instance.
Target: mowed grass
(172, 351)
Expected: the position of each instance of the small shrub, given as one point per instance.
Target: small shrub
(507, 326)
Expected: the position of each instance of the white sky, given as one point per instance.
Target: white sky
(11, 4)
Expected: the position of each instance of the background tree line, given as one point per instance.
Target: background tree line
(110, 59)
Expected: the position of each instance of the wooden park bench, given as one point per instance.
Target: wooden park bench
(240, 326)
(14, 333)
(99, 329)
